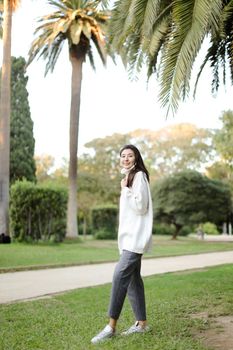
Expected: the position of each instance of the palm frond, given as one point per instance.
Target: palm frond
(187, 37)
(154, 45)
(169, 34)
(98, 40)
(117, 21)
(134, 55)
(220, 51)
(53, 53)
(91, 57)
(72, 20)
(152, 11)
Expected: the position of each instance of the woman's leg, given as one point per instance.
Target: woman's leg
(136, 295)
(121, 279)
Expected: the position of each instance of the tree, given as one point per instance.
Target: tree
(224, 138)
(22, 163)
(103, 164)
(167, 36)
(220, 171)
(5, 102)
(44, 164)
(81, 23)
(88, 197)
(174, 148)
(223, 142)
(188, 198)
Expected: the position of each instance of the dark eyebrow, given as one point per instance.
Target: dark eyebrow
(129, 153)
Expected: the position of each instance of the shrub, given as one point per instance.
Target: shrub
(186, 230)
(37, 212)
(163, 229)
(104, 221)
(104, 234)
(209, 228)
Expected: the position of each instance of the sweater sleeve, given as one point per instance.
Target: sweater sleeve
(137, 196)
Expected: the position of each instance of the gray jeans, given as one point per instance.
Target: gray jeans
(127, 280)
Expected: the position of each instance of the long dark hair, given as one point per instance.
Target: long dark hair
(139, 164)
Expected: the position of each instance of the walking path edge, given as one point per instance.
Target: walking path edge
(26, 285)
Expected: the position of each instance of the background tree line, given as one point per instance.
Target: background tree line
(194, 162)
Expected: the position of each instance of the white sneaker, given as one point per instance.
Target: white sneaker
(136, 328)
(106, 333)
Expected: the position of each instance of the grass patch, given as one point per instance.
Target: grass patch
(25, 256)
(69, 321)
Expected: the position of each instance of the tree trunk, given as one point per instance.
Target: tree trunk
(176, 233)
(84, 227)
(72, 210)
(5, 120)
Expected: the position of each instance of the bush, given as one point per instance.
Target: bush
(37, 212)
(186, 230)
(104, 221)
(81, 228)
(104, 234)
(163, 229)
(209, 228)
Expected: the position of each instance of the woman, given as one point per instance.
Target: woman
(134, 239)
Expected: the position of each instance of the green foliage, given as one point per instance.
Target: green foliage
(224, 137)
(186, 230)
(222, 168)
(103, 164)
(104, 233)
(189, 198)
(170, 229)
(104, 221)
(81, 23)
(37, 212)
(168, 35)
(177, 147)
(21, 255)
(22, 163)
(209, 228)
(163, 229)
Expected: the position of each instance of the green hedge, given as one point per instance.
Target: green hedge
(209, 228)
(37, 212)
(104, 221)
(169, 229)
(163, 229)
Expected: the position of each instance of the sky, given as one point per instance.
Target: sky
(110, 102)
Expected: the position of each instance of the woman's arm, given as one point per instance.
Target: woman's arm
(137, 196)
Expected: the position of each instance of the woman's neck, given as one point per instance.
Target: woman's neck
(126, 171)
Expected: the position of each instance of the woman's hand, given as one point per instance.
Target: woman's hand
(124, 182)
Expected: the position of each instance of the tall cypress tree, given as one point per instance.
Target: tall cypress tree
(22, 142)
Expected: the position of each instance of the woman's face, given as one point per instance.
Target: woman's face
(127, 159)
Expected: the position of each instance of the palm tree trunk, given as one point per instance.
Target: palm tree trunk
(72, 210)
(5, 120)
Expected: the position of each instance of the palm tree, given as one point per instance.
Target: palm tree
(167, 35)
(81, 23)
(6, 7)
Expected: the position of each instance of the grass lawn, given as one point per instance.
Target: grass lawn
(24, 255)
(69, 321)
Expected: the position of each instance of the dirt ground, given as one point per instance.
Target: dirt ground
(219, 335)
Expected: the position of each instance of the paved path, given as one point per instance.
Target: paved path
(23, 285)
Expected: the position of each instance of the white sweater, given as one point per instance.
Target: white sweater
(136, 216)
